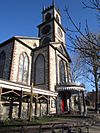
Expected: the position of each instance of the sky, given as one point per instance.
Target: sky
(21, 17)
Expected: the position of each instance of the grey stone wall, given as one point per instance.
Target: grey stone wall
(33, 43)
(52, 69)
(8, 49)
(18, 49)
(67, 67)
(44, 52)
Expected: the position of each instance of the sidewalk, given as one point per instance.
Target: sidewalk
(59, 126)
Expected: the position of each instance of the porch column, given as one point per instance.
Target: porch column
(20, 104)
(11, 108)
(56, 106)
(28, 107)
(70, 104)
(84, 104)
(48, 105)
(36, 101)
(31, 102)
(0, 103)
(0, 94)
(40, 108)
(79, 102)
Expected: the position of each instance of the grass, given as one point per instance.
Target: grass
(38, 120)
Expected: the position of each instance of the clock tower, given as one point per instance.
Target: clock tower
(51, 30)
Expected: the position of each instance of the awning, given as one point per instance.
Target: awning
(70, 87)
(25, 88)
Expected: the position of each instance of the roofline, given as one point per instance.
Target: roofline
(64, 49)
(12, 39)
(27, 37)
(49, 8)
(7, 41)
(42, 46)
(23, 43)
(70, 85)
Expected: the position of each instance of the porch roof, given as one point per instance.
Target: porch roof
(73, 87)
(25, 88)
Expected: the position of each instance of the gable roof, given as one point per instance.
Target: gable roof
(63, 52)
(13, 39)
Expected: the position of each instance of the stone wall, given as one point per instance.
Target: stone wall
(4, 111)
(44, 52)
(18, 49)
(66, 64)
(33, 43)
(52, 68)
(8, 49)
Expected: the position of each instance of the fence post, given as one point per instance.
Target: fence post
(53, 128)
(62, 128)
(40, 128)
(79, 130)
(87, 129)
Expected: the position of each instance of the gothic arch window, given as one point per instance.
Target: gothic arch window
(57, 18)
(2, 63)
(46, 41)
(62, 72)
(48, 17)
(40, 70)
(23, 68)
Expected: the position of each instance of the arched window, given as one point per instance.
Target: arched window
(23, 68)
(57, 18)
(2, 63)
(62, 72)
(46, 41)
(40, 70)
(48, 16)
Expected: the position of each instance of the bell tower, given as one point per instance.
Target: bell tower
(51, 30)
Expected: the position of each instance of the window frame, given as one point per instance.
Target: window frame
(24, 54)
(62, 75)
(35, 70)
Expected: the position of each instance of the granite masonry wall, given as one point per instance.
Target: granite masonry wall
(8, 49)
(18, 49)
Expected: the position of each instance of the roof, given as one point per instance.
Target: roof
(17, 39)
(27, 37)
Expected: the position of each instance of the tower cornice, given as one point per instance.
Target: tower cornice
(51, 7)
(46, 22)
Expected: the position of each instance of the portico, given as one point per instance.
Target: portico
(71, 98)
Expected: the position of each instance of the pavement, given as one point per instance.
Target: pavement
(89, 124)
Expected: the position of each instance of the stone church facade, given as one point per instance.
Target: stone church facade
(35, 72)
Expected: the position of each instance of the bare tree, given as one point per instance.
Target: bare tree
(94, 5)
(77, 70)
(87, 45)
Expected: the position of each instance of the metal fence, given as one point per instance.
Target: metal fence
(47, 128)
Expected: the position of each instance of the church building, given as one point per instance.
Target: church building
(35, 76)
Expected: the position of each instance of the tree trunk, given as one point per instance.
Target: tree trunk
(97, 96)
